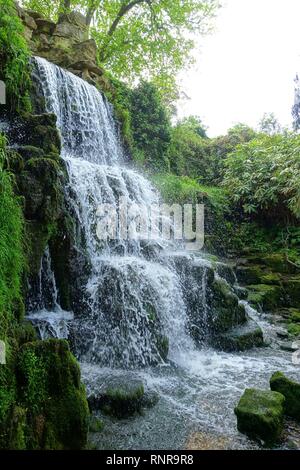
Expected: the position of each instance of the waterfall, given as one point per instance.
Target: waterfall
(135, 304)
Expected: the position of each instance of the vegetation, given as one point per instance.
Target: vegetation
(11, 254)
(14, 58)
(263, 176)
(140, 38)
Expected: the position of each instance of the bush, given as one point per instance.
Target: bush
(262, 176)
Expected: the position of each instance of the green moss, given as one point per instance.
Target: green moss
(265, 296)
(49, 379)
(291, 288)
(294, 329)
(290, 390)
(225, 312)
(12, 261)
(295, 315)
(241, 338)
(260, 414)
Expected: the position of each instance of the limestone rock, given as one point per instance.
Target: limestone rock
(290, 390)
(45, 26)
(260, 414)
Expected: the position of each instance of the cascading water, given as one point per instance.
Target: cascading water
(135, 305)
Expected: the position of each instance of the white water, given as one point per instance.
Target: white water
(135, 304)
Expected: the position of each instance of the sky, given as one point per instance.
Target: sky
(246, 67)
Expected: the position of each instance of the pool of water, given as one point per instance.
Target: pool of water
(198, 392)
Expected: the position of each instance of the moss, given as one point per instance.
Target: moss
(290, 390)
(291, 288)
(96, 425)
(294, 329)
(265, 296)
(225, 311)
(249, 274)
(294, 315)
(241, 338)
(260, 414)
(278, 263)
(51, 390)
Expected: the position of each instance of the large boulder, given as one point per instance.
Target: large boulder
(51, 393)
(266, 297)
(121, 397)
(260, 414)
(290, 390)
(241, 337)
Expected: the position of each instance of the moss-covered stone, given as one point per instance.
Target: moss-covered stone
(241, 338)
(290, 390)
(278, 263)
(119, 398)
(249, 274)
(51, 391)
(225, 311)
(294, 329)
(265, 296)
(260, 414)
(291, 287)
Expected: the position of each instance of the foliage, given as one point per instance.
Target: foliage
(269, 124)
(14, 57)
(11, 247)
(140, 38)
(263, 175)
(151, 127)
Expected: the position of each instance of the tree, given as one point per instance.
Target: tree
(151, 126)
(140, 38)
(194, 124)
(270, 125)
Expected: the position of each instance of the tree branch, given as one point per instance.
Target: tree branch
(125, 8)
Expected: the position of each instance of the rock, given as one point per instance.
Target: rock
(241, 337)
(95, 425)
(266, 297)
(121, 398)
(45, 26)
(86, 65)
(226, 272)
(282, 334)
(291, 287)
(290, 390)
(294, 315)
(53, 396)
(294, 329)
(260, 414)
(289, 347)
(29, 22)
(249, 274)
(279, 264)
(34, 14)
(29, 151)
(68, 27)
(225, 312)
(241, 292)
(86, 50)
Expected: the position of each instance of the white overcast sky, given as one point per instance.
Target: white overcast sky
(246, 66)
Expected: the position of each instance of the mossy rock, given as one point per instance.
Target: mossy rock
(249, 274)
(51, 391)
(225, 312)
(226, 272)
(290, 390)
(278, 263)
(271, 279)
(119, 398)
(267, 297)
(29, 151)
(260, 415)
(241, 338)
(294, 315)
(291, 288)
(294, 329)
